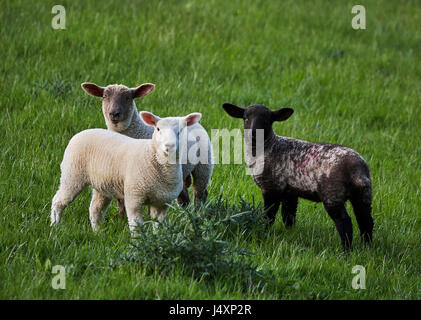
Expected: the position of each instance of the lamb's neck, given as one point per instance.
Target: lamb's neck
(250, 146)
(148, 164)
(256, 156)
(279, 144)
(137, 128)
(165, 167)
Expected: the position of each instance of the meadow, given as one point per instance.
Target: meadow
(359, 88)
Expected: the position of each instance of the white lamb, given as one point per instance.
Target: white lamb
(121, 115)
(140, 171)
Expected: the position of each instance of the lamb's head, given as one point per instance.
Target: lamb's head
(258, 116)
(169, 131)
(118, 104)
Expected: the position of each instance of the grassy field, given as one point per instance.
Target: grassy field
(359, 88)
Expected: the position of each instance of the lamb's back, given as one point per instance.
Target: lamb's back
(302, 166)
(100, 156)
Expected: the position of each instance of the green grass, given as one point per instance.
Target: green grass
(359, 88)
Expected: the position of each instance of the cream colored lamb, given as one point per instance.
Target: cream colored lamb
(140, 171)
(121, 115)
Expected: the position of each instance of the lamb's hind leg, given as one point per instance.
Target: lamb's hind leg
(97, 209)
(361, 203)
(66, 193)
(201, 176)
(184, 199)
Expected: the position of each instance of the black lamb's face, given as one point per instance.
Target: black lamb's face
(258, 117)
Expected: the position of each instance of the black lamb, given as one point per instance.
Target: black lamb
(292, 169)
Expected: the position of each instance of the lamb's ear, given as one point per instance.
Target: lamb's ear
(192, 118)
(93, 89)
(143, 90)
(149, 118)
(282, 114)
(233, 110)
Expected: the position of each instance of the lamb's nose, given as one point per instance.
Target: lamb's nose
(114, 115)
(169, 146)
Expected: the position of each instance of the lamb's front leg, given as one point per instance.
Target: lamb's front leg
(289, 210)
(133, 206)
(271, 201)
(122, 209)
(183, 199)
(160, 213)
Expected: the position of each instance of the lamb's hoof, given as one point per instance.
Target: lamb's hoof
(269, 222)
(187, 182)
(289, 225)
(347, 246)
(183, 199)
(155, 227)
(135, 233)
(95, 227)
(135, 228)
(367, 239)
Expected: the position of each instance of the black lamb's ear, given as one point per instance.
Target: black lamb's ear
(93, 89)
(233, 110)
(282, 114)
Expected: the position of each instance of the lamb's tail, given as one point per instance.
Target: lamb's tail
(361, 181)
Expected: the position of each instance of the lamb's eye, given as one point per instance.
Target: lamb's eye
(157, 129)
